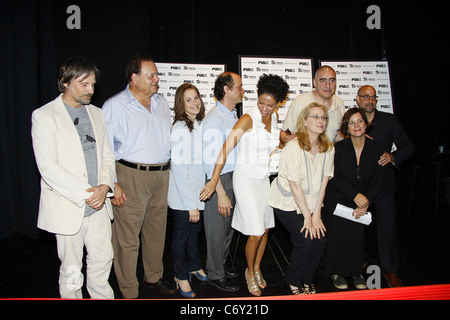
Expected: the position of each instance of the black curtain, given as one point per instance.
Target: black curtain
(27, 80)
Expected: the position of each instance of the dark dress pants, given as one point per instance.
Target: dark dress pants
(306, 252)
(218, 231)
(386, 221)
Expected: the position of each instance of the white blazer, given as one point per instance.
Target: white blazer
(60, 160)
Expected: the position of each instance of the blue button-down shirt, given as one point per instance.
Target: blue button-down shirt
(135, 134)
(216, 127)
(186, 175)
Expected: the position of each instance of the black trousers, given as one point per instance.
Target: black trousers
(306, 252)
(388, 247)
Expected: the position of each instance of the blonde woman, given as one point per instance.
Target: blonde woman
(306, 165)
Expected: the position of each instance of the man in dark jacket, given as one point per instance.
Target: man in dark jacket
(386, 130)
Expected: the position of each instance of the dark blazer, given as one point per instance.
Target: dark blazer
(344, 186)
(387, 130)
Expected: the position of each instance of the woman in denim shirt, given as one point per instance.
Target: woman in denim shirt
(185, 182)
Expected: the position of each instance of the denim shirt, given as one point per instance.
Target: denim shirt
(186, 178)
(216, 127)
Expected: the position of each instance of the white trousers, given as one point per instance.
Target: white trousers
(95, 234)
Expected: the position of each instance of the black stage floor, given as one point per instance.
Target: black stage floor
(424, 240)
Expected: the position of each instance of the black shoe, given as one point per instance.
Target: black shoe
(224, 284)
(230, 272)
(162, 286)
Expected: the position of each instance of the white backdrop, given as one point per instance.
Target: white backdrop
(352, 75)
(297, 72)
(203, 76)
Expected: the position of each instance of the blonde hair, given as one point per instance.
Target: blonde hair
(302, 134)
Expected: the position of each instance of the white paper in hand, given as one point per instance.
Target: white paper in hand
(346, 213)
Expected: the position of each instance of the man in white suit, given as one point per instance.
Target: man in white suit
(77, 167)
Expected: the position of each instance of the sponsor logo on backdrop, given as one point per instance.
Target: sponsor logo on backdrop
(296, 72)
(353, 75)
(203, 76)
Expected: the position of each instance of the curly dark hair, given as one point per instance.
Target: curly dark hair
(273, 85)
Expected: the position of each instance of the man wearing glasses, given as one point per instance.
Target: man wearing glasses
(385, 129)
(325, 86)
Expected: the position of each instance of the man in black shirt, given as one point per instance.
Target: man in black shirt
(386, 129)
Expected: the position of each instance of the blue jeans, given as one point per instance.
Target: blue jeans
(185, 250)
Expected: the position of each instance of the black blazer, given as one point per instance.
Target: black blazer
(387, 130)
(344, 184)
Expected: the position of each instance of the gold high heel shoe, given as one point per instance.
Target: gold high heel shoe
(251, 285)
(260, 280)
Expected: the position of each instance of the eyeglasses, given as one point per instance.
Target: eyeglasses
(324, 118)
(367, 97)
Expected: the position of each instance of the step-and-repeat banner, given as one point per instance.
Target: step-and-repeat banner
(297, 72)
(352, 75)
(203, 76)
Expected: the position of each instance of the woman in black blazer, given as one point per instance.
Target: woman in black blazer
(357, 181)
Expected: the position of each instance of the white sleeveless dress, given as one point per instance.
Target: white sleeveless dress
(252, 215)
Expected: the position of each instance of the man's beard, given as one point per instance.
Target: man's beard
(86, 99)
(371, 109)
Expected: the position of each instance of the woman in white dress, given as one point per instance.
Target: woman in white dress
(258, 136)
(297, 194)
